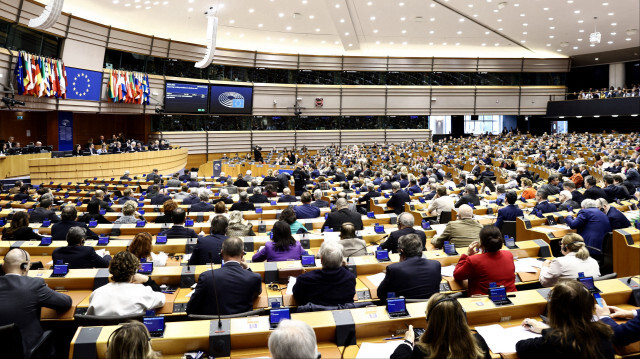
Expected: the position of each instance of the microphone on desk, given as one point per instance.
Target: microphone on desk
(215, 291)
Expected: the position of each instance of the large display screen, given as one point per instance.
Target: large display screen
(231, 100)
(180, 97)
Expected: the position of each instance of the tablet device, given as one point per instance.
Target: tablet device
(588, 283)
(146, 268)
(277, 315)
(45, 241)
(155, 325)
(188, 222)
(422, 200)
(161, 239)
(93, 223)
(396, 307)
(450, 249)
(259, 210)
(308, 261)
(45, 223)
(60, 270)
(273, 203)
(371, 215)
(498, 295)
(140, 223)
(103, 240)
(510, 242)
(382, 255)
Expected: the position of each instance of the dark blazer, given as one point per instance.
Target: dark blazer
(473, 198)
(398, 200)
(508, 213)
(201, 207)
(22, 298)
(549, 347)
(320, 203)
(122, 200)
(59, 230)
(617, 219)
(39, 214)
(329, 287)
(391, 244)
(594, 192)
(241, 183)
(258, 198)
(236, 287)
(160, 199)
(178, 231)
(80, 257)
(225, 200)
(165, 218)
(242, 206)
(21, 234)
(577, 196)
(287, 198)
(413, 278)
(367, 196)
(306, 211)
(207, 245)
(627, 333)
(85, 218)
(592, 225)
(337, 218)
(616, 192)
(546, 207)
(570, 203)
(191, 199)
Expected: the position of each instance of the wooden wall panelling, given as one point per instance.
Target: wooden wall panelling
(315, 140)
(88, 32)
(234, 57)
(546, 65)
(329, 94)
(130, 42)
(265, 94)
(91, 125)
(195, 141)
(452, 100)
(18, 166)
(195, 161)
(9, 9)
(499, 65)
(5, 67)
(276, 61)
(452, 64)
(34, 122)
(363, 100)
(408, 100)
(496, 100)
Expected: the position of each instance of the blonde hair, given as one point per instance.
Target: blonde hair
(575, 243)
(130, 341)
(129, 208)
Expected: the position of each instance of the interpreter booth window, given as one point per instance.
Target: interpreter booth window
(559, 127)
(479, 125)
(440, 125)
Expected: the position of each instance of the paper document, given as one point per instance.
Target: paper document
(331, 236)
(292, 282)
(376, 279)
(439, 228)
(101, 252)
(186, 257)
(501, 340)
(447, 271)
(377, 350)
(533, 262)
(189, 294)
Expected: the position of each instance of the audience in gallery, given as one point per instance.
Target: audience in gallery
(604, 93)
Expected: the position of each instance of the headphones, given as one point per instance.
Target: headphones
(449, 299)
(25, 264)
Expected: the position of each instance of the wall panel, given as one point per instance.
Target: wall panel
(450, 100)
(315, 140)
(329, 94)
(418, 64)
(359, 137)
(363, 100)
(324, 63)
(496, 100)
(398, 136)
(268, 139)
(264, 96)
(408, 100)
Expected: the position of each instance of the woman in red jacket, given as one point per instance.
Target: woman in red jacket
(486, 263)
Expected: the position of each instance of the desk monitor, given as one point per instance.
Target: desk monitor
(103, 240)
(510, 242)
(60, 270)
(155, 325)
(93, 223)
(259, 210)
(588, 283)
(396, 307)
(45, 241)
(382, 255)
(450, 249)
(146, 268)
(161, 239)
(498, 295)
(140, 223)
(371, 215)
(45, 223)
(277, 315)
(308, 261)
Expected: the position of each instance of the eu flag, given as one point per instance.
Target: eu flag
(83, 84)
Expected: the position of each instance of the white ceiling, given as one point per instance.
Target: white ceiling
(460, 28)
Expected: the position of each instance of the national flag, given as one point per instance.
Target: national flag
(18, 72)
(63, 79)
(110, 86)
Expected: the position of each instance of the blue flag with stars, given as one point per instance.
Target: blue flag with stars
(83, 84)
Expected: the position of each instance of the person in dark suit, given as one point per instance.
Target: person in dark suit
(319, 202)
(510, 212)
(243, 203)
(160, 197)
(566, 201)
(371, 193)
(203, 205)
(331, 286)
(487, 173)
(543, 204)
(192, 198)
(405, 226)
(469, 197)
(413, 277)
(398, 199)
(592, 190)
(44, 212)
(306, 210)
(126, 177)
(342, 215)
(127, 196)
(240, 182)
(23, 297)
(207, 250)
(68, 215)
(178, 230)
(224, 198)
(23, 195)
(153, 175)
(286, 196)
(76, 254)
(592, 225)
(236, 286)
(575, 194)
(258, 197)
(552, 186)
(93, 212)
(612, 191)
(616, 218)
(623, 334)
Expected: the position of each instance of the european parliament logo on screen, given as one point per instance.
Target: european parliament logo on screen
(234, 100)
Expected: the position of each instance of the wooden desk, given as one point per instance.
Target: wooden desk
(626, 251)
(18, 165)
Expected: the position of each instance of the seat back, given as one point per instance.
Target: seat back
(508, 228)
(607, 254)
(445, 217)
(11, 341)
(86, 320)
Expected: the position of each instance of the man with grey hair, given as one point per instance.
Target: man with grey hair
(319, 202)
(566, 201)
(126, 177)
(331, 286)
(616, 218)
(342, 215)
(470, 196)
(398, 199)
(76, 254)
(293, 339)
(461, 232)
(512, 181)
(592, 225)
(257, 196)
(203, 205)
(406, 221)
(224, 197)
(182, 195)
(243, 203)
(413, 277)
(286, 196)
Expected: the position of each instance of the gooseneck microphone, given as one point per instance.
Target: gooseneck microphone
(215, 291)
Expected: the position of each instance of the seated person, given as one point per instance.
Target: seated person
(575, 260)
(77, 255)
(575, 195)
(352, 246)
(203, 205)
(23, 195)
(127, 196)
(257, 196)
(398, 198)
(167, 211)
(224, 197)
(178, 230)
(234, 285)
(19, 230)
(43, 212)
(486, 263)
(68, 216)
(470, 196)
(543, 204)
(406, 221)
(572, 332)
(100, 196)
(286, 196)
(413, 277)
(93, 213)
(130, 213)
(243, 203)
(129, 339)
(331, 286)
(460, 232)
(141, 246)
(282, 246)
(238, 227)
(447, 334)
(160, 197)
(126, 294)
(616, 218)
(306, 210)
(207, 249)
(293, 339)
(319, 202)
(341, 215)
(592, 225)
(529, 192)
(566, 201)
(510, 212)
(441, 202)
(623, 334)
(289, 215)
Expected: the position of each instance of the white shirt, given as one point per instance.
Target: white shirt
(118, 299)
(568, 267)
(441, 204)
(160, 259)
(511, 184)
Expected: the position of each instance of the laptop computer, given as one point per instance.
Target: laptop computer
(155, 325)
(449, 249)
(276, 315)
(396, 307)
(498, 295)
(146, 268)
(308, 261)
(60, 270)
(45, 241)
(382, 255)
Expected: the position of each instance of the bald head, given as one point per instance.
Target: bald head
(342, 203)
(465, 211)
(14, 259)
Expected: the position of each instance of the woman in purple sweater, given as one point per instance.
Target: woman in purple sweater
(282, 247)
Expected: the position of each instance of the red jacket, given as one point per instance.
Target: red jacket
(482, 269)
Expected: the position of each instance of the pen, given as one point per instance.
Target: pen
(393, 338)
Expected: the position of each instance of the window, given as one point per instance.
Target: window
(479, 125)
(440, 125)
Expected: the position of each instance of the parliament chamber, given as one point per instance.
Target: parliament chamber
(319, 179)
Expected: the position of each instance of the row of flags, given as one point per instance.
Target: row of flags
(40, 76)
(128, 87)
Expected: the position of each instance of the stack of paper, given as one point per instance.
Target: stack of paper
(377, 350)
(448, 270)
(376, 279)
(501, 340)
(292, 282)
(439, 228)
